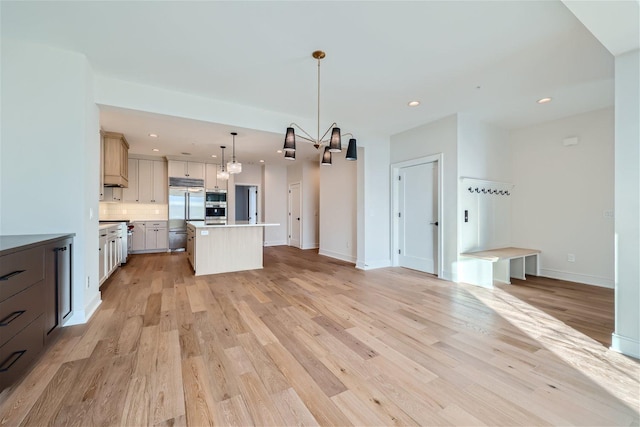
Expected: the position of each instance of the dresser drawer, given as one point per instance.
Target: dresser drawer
(18, 353)
(20, 310)
(19, 270)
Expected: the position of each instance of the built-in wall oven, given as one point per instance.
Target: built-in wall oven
(215, 214)
(215, 207)
(216, 196)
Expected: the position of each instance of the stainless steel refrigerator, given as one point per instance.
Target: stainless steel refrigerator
(186, 203)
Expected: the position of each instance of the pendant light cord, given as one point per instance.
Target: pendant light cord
(318, 127)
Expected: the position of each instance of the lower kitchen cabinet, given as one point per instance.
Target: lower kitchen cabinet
(110, 250)
(150, 236)
(35, 297)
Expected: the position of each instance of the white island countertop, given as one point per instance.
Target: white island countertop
(202, 224)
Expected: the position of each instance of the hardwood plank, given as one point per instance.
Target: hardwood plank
(309, 340)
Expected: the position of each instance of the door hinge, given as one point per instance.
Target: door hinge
(399, 215)
(399, 178)
(399, 252)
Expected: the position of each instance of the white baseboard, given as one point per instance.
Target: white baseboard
(625, 345)
(337, 255)
(586, 279)
(80, 317)
(312, 246)
(276, 243)
(371, 265)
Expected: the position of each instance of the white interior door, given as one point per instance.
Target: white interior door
(418, 217)
(253, 205)
(295, 224)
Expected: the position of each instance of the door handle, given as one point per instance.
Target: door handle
(434, 223)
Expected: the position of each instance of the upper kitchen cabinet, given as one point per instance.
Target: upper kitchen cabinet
(152, 181)
(212, 183)
(182, 169)
(131, 193)
(116, 159)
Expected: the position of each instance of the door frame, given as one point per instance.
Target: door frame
(258, 199)
(395, 201)
(290, 218)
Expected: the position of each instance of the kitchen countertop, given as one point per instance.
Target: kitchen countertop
(15, 243)
(105, 226)
(202, 224)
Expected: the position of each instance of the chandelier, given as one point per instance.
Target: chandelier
(332, 145)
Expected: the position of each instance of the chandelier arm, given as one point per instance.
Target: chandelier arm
(348, 133)
(309, 137)
(325, 134)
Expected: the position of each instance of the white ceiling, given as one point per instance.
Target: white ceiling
(489, 59)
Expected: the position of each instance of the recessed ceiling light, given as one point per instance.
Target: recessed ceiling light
(279, 151)
(544, 100)
(155, 149)
(153, 135)
(213, 155)
(261, 161)
(413, 103)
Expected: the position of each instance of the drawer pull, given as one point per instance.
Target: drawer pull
(13, 358)
(10, 275)
(10, 318)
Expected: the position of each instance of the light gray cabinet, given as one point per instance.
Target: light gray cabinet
(112, 194)
(150, 236)
(152, 181)
(182, 169)
(130, 194)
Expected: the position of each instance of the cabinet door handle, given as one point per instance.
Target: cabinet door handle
(10, 318)
(10, 275)
(13, 358)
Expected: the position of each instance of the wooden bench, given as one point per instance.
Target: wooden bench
(505, 263)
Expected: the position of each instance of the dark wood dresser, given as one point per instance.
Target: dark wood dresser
(35, 297)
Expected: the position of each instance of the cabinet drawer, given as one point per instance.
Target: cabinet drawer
(19, 270)
(20, 310)
(16, 355)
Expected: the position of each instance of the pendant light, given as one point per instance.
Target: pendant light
(233, 166)
(290, 155)
(352, 150)
(326, 157)
(222, 174)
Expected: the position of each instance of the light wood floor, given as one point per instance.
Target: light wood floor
(312, 341)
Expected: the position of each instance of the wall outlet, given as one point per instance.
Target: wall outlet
(571, 258)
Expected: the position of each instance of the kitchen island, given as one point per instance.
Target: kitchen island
(214, 249)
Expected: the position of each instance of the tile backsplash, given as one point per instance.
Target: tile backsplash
(133, 211)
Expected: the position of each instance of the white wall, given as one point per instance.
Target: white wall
(626, 338)
(561, 195)
(275, 205)
(338, 208)
(373, 207)
(49, 156)
(484, 153)
(433, 138)
(310, 205)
